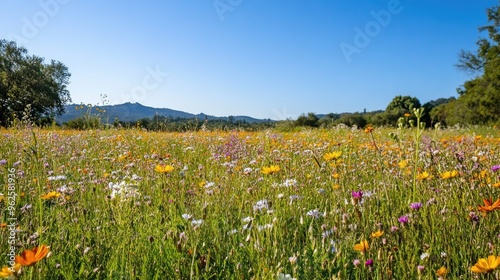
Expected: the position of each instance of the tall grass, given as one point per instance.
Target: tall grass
(217, 216)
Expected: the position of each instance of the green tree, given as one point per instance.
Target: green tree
(479, 97)
(311, 120)
(399, 106)
(27, 82)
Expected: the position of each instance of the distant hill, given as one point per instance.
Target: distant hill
(130, 112)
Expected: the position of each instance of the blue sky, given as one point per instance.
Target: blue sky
(262, 58)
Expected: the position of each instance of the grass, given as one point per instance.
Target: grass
(217, 216)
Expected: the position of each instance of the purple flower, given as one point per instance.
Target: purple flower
(403, 219)
(494, 168)
(369, 262)
(357, 194)
(3, 162)
(415, 205)
(420, 268)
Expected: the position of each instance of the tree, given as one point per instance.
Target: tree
(479, 97)
(399, 106)
(311, 120)
(26, 82)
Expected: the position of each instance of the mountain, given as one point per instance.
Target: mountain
(130, 112)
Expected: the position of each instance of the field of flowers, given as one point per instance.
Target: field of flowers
(316, 204)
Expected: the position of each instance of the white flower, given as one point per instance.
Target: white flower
(261, 205)
(247, 219)
(290, 183)
(315, 213)
(197, 222)
(424, 256)
(186, 217)
(247, 170)
(282, 276)
(56, 178)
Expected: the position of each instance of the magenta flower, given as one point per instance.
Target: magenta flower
(357, 194)
(416, 205)
(369, 262)
(495, 168)
(403, 219)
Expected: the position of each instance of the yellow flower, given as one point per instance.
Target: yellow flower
(362, 246)
(407, 115)
(50, 195)
(332, 155)
(8, 273)
(424, 176)
(161, 168)
(270, 169)
(442, 271)
(30, 257)
(402, 164)
(449, 174)
(486, 265)
(377, 234)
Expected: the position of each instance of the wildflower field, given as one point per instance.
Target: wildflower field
(340, 203)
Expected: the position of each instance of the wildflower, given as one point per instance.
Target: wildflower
(197, 222)
(332, 156)
(290, 183)
(56, 178)
(442, 271)
(495, 168)
(403, 219)
(31, 257)
(186, 217)
(486, 265)
(489, 205)
(377, 234)
(369, 263)
(261, 205)
(424, 176)
(356, 262)
(3, 162)
(416, 205)
(420, 269)
(424, 256)
(449, 174)
(362, 246)
(10, 272)
(402, 164)
(50, 195)
(270, 169)
(369, 129)
(282, 276)
(162, 168)
(315, 213)
(407, 115)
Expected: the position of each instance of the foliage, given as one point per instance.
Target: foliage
(27, 80)
(479, 97)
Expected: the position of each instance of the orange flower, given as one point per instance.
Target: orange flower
(271, 169)
(489, 205)
(442, 271)
(161, 168)
(362, 246)
(377, 234)
(486, 265)
(30, 257)
(368, 129)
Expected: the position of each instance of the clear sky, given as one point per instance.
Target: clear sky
(262, 58)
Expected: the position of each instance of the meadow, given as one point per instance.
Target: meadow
(341, 203)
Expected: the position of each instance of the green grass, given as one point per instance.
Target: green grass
(93, 234)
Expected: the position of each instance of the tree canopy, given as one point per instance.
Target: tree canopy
(28, 86)
(479, 97)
